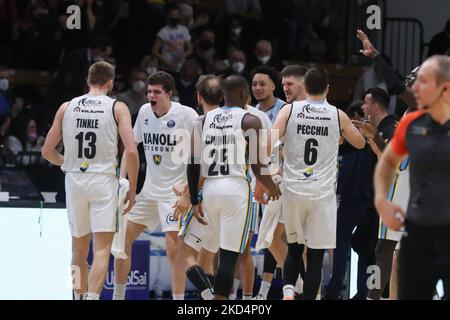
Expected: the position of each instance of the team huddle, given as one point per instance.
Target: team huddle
(207, 179)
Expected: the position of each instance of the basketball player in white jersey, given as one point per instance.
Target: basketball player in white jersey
(272, 237)
(193, 258)
(226, 205)
(89, 127)
(312, 130)
(164, 128)
(245, 267)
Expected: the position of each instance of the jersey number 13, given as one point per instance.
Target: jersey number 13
(89, 140)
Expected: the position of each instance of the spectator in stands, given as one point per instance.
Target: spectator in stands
(136, 95)
(6, 96)
(237, 64)
(263, 56)
(185, 83)
(149, 64)
(324, 29)
(25, 137)
(440, 43)
(173, 43)
(77, 38)
(299, 27)
(204, 51)
(5, 127)
(70, 80)
(235, 33)
(248, 8)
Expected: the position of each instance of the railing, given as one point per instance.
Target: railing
(403, 43)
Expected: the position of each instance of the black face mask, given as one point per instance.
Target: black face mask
(205, 44)
(174, 21)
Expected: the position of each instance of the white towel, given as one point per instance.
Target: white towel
(118, 245)
(269, 220)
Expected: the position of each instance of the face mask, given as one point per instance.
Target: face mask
(264, 59)
(139, 86)
(32, 136)
(205, 44)
(238, 67)
(174, 21)
(4, 84)
(185, 83)
(236, 31)
(150, 71)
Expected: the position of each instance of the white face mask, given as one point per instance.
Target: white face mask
(237, 67)
(4, 84)
(150, 70)
(185, 83)
(264, 59)
(236, 31)
(139, 86)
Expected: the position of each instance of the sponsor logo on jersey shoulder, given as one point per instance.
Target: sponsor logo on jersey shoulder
(86, 102)
(77, 109)
(301, 115)
(146, 121)
(171, 123)
(157, 159)
(220, 118)
(313, 109)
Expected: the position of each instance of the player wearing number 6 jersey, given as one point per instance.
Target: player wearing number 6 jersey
(89, 127)
(312, 130)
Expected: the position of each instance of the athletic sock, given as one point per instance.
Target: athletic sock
(207, 294)
(264, 289)
(119, 291)
(93, 296)
(247, 296)
(79, 296)
(178, 296)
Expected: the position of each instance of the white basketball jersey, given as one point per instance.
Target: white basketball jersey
(90, 135)
(266, 125)
(166, 141)
(223, 144)
(310, 149)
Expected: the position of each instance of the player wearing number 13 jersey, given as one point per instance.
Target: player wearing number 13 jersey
(89, 127)
(312, 130)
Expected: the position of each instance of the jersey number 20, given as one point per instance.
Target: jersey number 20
(91, 139)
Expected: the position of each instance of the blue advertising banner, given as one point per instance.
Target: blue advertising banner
(138, 279)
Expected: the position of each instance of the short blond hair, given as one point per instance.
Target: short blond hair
(100, 73)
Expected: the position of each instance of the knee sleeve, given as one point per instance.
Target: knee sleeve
(225, 274)
(293, 263)
(313, 273)
(269, 262)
